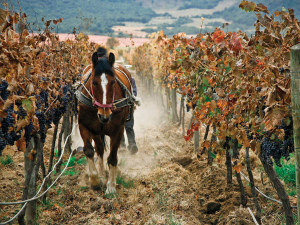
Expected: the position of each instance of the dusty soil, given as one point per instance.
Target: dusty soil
(164, 183)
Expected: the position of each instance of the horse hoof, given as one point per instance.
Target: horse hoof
(134, 149)
(96, 188)
(110, 190)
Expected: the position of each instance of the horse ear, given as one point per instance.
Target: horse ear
(111, 59)
(95, 59)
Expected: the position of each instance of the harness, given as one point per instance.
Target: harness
(128, 100)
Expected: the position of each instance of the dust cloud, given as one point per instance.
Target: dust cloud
(147, 119)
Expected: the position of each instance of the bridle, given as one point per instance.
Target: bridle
(98, 104)
(128, 100)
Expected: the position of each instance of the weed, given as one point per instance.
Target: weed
(70, 172)
(287, 174)
(46, 204)
(123, 182)
(110, 195)
(172, 220)
(82, 161)
(292, 192)
(72, 161)
(6, 160)
(83, 188)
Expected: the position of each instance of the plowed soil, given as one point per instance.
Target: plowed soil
(164, 183)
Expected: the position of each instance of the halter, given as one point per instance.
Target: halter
(98, 104)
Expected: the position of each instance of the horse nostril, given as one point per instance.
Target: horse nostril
(103, 119)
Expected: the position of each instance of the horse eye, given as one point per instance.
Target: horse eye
(113, 81)
(95, 83)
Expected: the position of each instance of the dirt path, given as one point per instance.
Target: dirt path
(164, 183)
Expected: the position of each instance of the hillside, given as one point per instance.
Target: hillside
(141, 17)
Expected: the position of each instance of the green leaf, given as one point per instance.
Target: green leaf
(212, 155)
(179, 61)
(205, 82)
(227, 68)
(207, 99)
(27, 104)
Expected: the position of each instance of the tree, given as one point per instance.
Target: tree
(112, 42)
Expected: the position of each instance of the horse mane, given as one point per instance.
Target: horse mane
(103, 66)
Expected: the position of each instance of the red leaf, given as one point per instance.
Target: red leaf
(218, 36)
(235, 43)
(187, 138)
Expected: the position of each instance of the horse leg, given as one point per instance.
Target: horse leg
(99, 147)
(89, 153)
(112, 161)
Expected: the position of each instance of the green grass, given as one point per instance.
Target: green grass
(6, 160)
(126, 184)
(71, 163)
(286, 172)
(82, 161)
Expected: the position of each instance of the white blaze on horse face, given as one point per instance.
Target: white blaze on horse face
(111, 184)
(104, 83)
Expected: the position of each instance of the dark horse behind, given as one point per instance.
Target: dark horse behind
(105, 100)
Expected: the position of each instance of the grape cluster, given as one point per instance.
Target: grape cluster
(42, 99)
(3, 90)
(44, 96)
(249, 135)
(42, 124)
(288, 143)
(2, 142)
(22, 112)
(8, 138)
(2, 145)
(272, 148)
(281, 70)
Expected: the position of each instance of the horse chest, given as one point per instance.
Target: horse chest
(92, 123)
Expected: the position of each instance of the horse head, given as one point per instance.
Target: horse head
(102, 86)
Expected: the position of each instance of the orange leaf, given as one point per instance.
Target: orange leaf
(221, 104)
(218, 36)
(21, 144)
(238, 167)
(206, 144)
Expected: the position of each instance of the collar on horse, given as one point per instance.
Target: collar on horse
(120, 103)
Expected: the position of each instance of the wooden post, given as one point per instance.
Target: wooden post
(30, 213)
(295, 90)
(174, 106)
(196, 141)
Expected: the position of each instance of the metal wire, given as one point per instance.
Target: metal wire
(272, 199)
(37, 197)
(253, 217)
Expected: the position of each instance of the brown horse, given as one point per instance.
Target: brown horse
(105, 101)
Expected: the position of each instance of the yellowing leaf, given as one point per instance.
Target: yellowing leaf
(21, 144)
(3, 14)
(238, 167)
